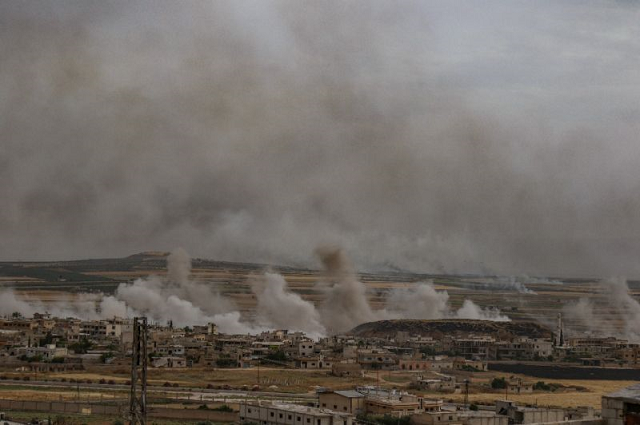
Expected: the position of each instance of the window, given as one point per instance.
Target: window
(335, 406)
(298, 419)
(318, 421)
(324, 404)
(289, 417)
(308, 420)
(450, 418)
(280, 415)
(272, 414)
(249, 410)
(345, 408)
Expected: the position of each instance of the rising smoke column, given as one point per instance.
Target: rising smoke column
(622, 309)
(420, 302)
(280, 308)
(346, 304)
(177, 298)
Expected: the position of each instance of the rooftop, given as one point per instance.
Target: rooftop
(350, 393)
(629, 394)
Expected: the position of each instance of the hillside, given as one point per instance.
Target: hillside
(437, 328)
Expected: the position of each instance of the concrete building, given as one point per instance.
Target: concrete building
(443, 417)
(351, 402)
(291, 414)
(343, 369)
(622, 407)
(528, 415)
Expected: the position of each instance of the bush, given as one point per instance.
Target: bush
(81, 347)
(277, 356)
(223, 408)
(541, 386)
(385, 419)
(118, 422)
(499, 383)
(473, 407)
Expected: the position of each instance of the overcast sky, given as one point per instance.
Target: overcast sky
(438, 136)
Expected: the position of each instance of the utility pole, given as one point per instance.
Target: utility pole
(466, 393)
(138, 394)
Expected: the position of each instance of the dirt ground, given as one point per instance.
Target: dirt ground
(574, 392)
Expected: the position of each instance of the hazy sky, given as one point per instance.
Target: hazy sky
(431, 135)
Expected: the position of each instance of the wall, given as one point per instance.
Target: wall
(112, 410)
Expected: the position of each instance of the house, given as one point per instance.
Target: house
(622, 407)
(342, 401)
(291, 414)
(343, 369)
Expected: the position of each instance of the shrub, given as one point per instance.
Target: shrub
(223, 408)
(499, 383)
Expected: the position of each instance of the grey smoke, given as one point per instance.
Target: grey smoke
(178, 298)
(280, 308)
(346, 304)
(425, 135)
(622, 311)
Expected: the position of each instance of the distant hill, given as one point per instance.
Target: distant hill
(436, 328)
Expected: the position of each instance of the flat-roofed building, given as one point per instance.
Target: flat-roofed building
(342, 401)
(291, 414)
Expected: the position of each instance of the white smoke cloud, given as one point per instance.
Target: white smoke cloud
(425, 302)
(421, 302)
(186, 302)
(280, 308)
(621, 308)
(512, 283)
(471, 310)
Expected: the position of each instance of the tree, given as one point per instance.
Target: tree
(498, 383)
(81, 347)
(278, 356)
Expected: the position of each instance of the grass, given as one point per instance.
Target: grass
(590, 395)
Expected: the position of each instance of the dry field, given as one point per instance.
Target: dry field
(574, 392)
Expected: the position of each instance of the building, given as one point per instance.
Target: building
(291, 414)
(343, 369)
(528, 415)
(436, 418)
(414, 364)
(48, 352)
(622, 407)
(351, 402)
(399, 405)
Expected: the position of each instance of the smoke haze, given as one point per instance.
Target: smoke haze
(431, 136)
(622, 311)
(184, 302)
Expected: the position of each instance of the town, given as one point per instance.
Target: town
(436, 376)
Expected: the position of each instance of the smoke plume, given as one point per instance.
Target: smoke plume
(416, 135)
(185, 302)
(622, 311)
(280, 308)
